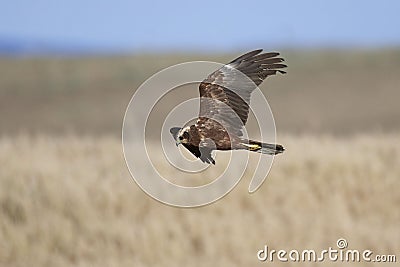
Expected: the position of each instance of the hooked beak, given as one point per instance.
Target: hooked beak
(177, 143)
(174, 131)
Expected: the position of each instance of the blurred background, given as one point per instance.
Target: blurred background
(69, 68)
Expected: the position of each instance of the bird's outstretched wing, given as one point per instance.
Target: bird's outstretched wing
(225, 93)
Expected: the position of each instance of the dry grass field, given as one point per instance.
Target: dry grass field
(67, 199)
(70, 202)
(336, 92)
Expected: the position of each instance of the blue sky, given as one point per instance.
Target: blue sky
(203, 25)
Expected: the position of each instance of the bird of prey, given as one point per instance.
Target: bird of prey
(224, 107)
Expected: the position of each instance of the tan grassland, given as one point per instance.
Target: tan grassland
(70, 202)
(67, 199)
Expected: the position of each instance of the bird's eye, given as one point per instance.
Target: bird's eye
(180, 137)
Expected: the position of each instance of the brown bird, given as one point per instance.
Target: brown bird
(224, 107)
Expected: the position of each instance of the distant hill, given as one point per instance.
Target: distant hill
(21, 46)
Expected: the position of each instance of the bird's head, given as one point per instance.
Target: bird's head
(180, 135)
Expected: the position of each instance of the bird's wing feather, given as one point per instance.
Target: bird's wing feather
(225, 93)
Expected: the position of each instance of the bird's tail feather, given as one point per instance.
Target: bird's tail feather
(263, 148)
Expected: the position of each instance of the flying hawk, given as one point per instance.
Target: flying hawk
(224, 107)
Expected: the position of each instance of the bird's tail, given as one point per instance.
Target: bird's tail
(263, 148)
